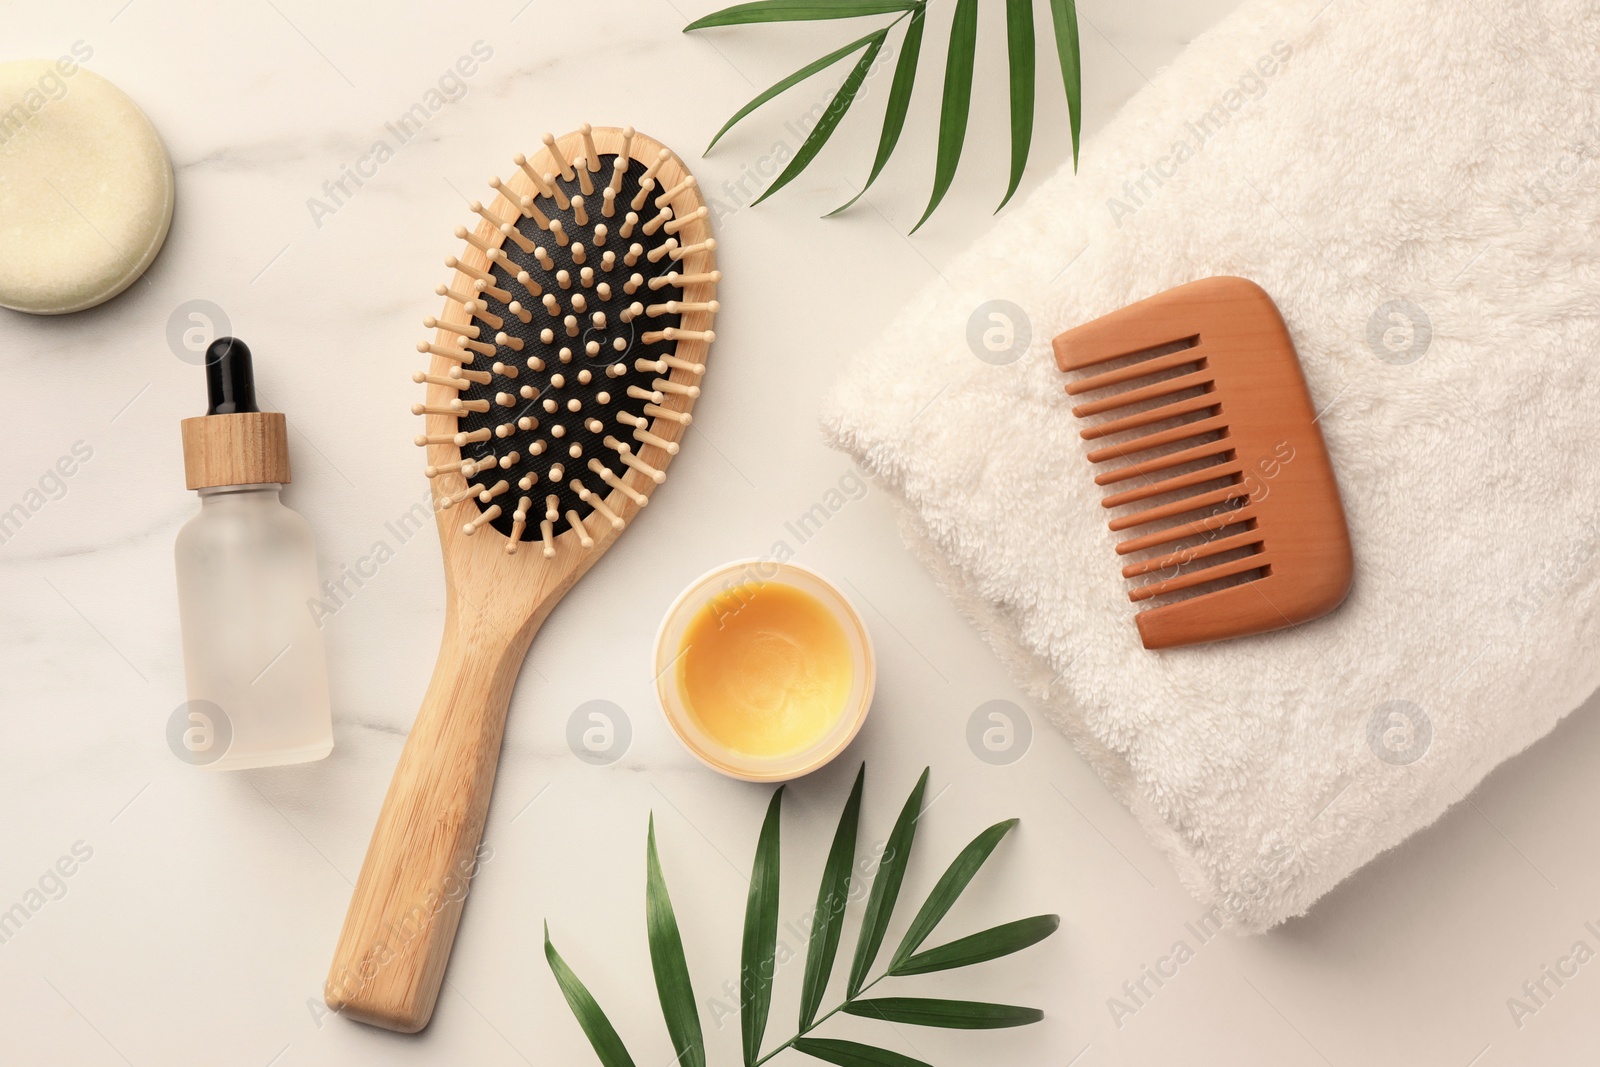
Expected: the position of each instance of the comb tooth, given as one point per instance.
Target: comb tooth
(667, 385)
(666, 197)
(627, 144)
(468, 269)
(464, 234)
(1136, 370)
(624, 452)
(584, 181)
(656, 222)
(672, 333)
(422, 440)
(591, 153)
(1171, 459)
(470, 528)
(519, 522)
(1181, 482)
(579, 256)
(556, 191)
(555, 154)
(1178, 507)
(456, 295)
(523, 315)
(661, 251)
(530, 285)
(594, 500)
(680, 417)
(516, 238)
(683, 280)
(608, 206)
(1154, 440)
(1189, 529)
(478, 209)
(609, 476)
(1145, 418)
(447, 353)
(580, 529)
(708, 245)
(506, 370)
(1254, 561)
(464, 329)
(650, 171)
(629, 221)
(493, 290)
(580, 211)
(634, 252)
(534, 176)
(640, 393)
(1148, 392)
(685, 220)
(1185, 555)
(479, 310)
(478, 346)
(559, 232)
(482, 377)
(544, 259)
(501, 487)
(647, 185)
(433, 379)
(531, 210)
(601, 231)
(631, 286)
(467, 438)
(547, 526)
(452, 499)
(458, 406)
(677, 307)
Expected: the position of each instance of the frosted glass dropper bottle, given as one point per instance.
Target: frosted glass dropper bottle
(247, 568)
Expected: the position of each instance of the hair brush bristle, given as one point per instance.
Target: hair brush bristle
(569, 378)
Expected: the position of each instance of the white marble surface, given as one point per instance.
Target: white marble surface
(199, 928)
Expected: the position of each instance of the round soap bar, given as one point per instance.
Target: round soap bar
(86, 188)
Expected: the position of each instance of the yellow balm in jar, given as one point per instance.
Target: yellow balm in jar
(764, 670)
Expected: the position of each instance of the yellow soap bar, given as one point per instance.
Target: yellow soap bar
(765, 669)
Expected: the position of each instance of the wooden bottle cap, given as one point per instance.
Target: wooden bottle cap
(245, 448)
(234, 443)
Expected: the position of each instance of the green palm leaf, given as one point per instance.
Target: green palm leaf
(886, 886)
(830, 119)
(797, 11)
(671, 969)
(1064, 13)
(950, 886)
(894, 115)
(1019, 45)
(853, 1053)
(596, 1027)
(984, 945)
(828, 919)
(950, 1014)
(760, 935)
(957, 102)
(792, 80)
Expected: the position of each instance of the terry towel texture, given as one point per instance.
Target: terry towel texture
(1417, 184)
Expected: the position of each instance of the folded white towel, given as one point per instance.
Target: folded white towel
(1417, 185)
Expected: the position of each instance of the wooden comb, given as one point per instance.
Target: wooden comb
(569, 351)
(1221, 474)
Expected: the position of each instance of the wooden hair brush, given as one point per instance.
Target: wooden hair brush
(569, 351)
(1219, 470)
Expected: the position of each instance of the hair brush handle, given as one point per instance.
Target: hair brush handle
(402, 921)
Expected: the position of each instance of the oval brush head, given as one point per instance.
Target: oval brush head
(565, 361)
(572, 341)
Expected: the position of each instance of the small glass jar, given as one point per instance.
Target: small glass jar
(247, 573)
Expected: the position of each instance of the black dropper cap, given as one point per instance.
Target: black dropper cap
(230, 380)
